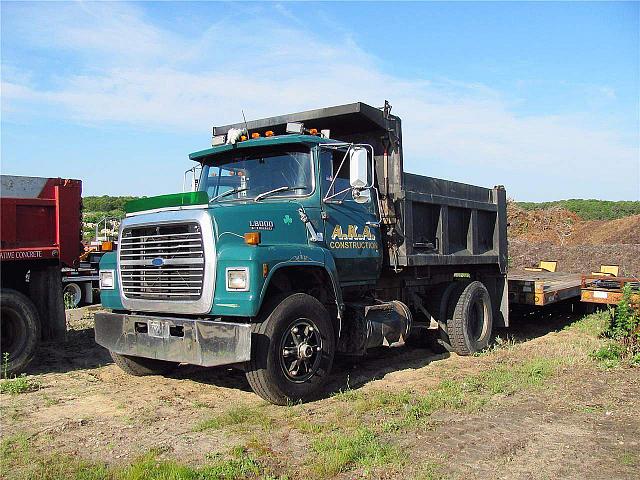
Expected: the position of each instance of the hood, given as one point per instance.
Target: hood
(277, 222)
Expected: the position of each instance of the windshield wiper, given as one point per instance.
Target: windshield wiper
(284, 188)
(229, 192)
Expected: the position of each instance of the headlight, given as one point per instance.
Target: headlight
(106, 279)
(238, 279)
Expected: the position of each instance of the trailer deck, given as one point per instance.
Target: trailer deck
(543, 288)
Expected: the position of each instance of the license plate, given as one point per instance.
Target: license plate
(597, 294)
(158, 329)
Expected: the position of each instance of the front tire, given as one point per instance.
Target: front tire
(292, 350)
(469, 328)
(141, 367)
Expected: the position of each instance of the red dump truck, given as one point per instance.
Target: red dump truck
(40, 232)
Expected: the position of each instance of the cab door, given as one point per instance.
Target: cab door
(351, 228)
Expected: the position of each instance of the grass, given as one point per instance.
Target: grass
(22, 462)
(17, 385)
(408, 410)
(243, 415)
(608, 355)
(344, 451)
(630, 459)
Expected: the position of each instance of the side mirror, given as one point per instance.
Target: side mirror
(359, 174)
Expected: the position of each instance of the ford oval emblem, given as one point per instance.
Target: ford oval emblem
(157, 262)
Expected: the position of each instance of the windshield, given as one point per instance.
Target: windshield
(250, 174)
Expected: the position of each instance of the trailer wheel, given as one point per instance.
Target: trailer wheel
(19, 330)
(140, 366)
(73, 291)
(292, 350)
(469, 328)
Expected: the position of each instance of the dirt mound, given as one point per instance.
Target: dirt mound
(563, 227)
(621, 231)
(575, 258)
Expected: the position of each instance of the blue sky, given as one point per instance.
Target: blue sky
(540, 97)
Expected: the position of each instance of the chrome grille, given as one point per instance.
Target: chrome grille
(162, 262)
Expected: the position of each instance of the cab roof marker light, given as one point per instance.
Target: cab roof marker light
(218, 140)
(295, 127)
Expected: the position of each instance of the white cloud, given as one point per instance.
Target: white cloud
(138, 73)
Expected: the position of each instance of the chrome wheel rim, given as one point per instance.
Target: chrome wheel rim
(300, 350)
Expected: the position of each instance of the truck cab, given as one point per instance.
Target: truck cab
(294, 247)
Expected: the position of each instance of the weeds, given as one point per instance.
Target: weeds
(343, 451)
(623, 334)
(15, 385)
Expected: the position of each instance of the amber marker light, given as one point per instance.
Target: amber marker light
(252, 238)
(313, 131)
(243, 138)
(268, 133)
(265, 270)
(255, 135)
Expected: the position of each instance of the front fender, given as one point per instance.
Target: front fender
(247, 304)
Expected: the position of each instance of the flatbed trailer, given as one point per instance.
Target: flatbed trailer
(608, 290)
(543, 288)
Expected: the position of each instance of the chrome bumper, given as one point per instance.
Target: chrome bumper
(198, 342)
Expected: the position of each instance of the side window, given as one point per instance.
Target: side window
(331, 160)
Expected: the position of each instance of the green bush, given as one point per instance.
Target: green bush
(590, 209)
(623, 333)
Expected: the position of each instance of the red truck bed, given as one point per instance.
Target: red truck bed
(40, 219)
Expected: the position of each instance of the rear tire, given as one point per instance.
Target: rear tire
(20, 330)
(292, 350)
(75, 294)
(470, 326)
(140, 366)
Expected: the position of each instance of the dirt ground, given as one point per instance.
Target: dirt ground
(566, 418)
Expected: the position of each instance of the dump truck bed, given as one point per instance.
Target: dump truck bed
(543, 288)
(452, 223)
(40, 219)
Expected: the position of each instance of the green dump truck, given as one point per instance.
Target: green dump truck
(304, 239)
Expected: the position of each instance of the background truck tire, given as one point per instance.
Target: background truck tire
(75, 294)
(292, 350)
(469, 328)
(20, 330)
(140, 366)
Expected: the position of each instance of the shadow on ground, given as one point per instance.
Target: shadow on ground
(80, 352)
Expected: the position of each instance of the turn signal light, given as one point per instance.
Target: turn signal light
(313, 131)
(255, 135)
(106, 246)
(252, 238)
(268, 133)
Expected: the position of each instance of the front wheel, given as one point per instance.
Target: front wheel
(292, 350)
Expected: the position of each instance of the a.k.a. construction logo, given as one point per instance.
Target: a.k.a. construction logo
(353, 239)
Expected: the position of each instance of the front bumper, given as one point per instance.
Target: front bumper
(198, 342)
